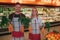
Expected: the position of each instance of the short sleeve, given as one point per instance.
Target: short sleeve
(40, 22)
(10, 17)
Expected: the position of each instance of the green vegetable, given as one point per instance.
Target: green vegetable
(4, 21)
(48, 25)
(25, 21)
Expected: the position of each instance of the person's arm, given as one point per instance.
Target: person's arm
(10, 29)
(40, 23)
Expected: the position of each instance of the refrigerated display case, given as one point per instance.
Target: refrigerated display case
(4, 11)
(49, 14)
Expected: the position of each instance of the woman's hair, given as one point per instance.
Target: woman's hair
(33, 11)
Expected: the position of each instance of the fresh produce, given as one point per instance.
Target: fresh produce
(53, 36)
(47, 25)
(4, 21)
(25, 21)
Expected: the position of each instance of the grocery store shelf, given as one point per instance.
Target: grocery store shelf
(3, 29)
(4, 32)
(54, 24)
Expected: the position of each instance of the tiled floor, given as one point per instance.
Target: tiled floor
(8, 37)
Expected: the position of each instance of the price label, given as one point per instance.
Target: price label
(47, 1)
(14, 1)
(22, 1)
(28, 0)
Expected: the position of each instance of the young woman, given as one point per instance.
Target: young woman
(35, 25)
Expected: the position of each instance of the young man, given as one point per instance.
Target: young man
(17, 34)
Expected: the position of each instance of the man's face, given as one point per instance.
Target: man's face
(17, 8)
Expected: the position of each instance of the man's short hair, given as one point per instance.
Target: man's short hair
(17, 3)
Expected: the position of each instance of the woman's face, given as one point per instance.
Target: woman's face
(34, 12)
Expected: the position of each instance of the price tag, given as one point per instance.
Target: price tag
(47, 1)
(14, 1)
(28, 0)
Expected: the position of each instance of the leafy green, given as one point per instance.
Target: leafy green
(4, 21)
(25, 21)
(47, 25)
